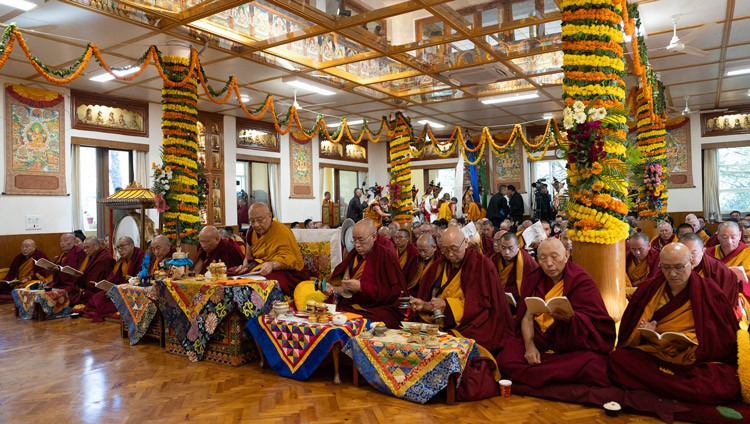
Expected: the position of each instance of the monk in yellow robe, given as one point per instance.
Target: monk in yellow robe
(447, 209)
(22, 269)
(697, 228)
(697, 368)
(731, 250)
(641, 261)
(161, 252)
(513, 264)
(273, 250)
(376, 213)
(428, 254)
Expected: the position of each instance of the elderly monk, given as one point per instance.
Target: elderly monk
(71, 256)
(23, 268)
(666, 236)
(641, 261)
(161, 252)
(98, 264)
(560, 347)
(368, 280)
(513, 265)
(678, 300)
(710, 267)
(488, 231)
(408, 257)
(697, 227)
(213, 248)
(130, 262)
(428, 254)
(272, 248)
(463, 284)
(731, 251)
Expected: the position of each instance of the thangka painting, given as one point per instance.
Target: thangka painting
(679, 158)
(508, 168)
(301, 167)
(34, 142)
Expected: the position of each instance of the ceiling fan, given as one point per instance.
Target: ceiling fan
(680, 45)
(297, 105)
(687, 111)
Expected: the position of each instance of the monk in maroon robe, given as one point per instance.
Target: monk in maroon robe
(71, 256)
(215, 249)
(408, 258)
(369, 280)
(96, 267)
(23, 268)
(666, 236)
(129, 265)
(712, 268)
(699, 369)
(428, 254)
(161, 252)
(463, 284)
(514, 265)
(560, 347)
(641, 260)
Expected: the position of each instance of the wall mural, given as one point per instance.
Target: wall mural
(35, 156)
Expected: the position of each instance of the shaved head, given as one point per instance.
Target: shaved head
(160, 246)
(28, 247)
(91, 245)
(260, 217)
(729, 234)
(426, 246)
(209, 238)
(676, 265)
(364, 235)
(454, 245)
(125, 247)
(67, 241)
(552, 257)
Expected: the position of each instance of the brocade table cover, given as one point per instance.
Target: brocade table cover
(137, 307)
(54, 303)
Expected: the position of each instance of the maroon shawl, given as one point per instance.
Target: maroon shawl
(60, 280)
(226, 251)
(486, 316)
(653, 262)
(487, 246)
(382, 283)
(715, 269)
(511, 285)
(591, 328)
(37, 271)
(411, 267)
(99, 267)
(121, 276)
(657, 244)
(713, 240)
(715, 323)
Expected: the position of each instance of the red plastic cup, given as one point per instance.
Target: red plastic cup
(505, 386)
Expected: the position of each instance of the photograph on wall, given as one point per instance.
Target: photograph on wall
(35, 142)
(301, 167)
(92, 112)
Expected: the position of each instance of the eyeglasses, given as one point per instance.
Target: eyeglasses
(122, 246)
(454, 249)
(676, 268)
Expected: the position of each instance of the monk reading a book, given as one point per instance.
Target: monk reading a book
(731, 251)
(97, 266)
(22, 268)
(696, 366)
(513, 264)
(559, 347)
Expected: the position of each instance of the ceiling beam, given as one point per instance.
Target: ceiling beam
(723, 54)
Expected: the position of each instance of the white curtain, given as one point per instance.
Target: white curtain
(711, 206)
(75, 162)
(273, 187)
(141, 169)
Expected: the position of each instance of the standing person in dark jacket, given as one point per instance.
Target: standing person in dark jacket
(356, 207)
(498, 209)
(516, 204)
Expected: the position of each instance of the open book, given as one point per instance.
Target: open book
(13, 282)
(71, 271)
(667, 336)
(104, 285)
(630, 290)
(46, 264)
(739, 271)
(511, 300)
(537, 305)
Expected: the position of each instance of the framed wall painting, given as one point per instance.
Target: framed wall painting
(93, 112)
(300, 167)
(508, 168)
(731, 122)
(678, 154)
(257, 135)
(34, 142)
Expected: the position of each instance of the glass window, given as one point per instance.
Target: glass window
(548, 170)
(734, 184)
(489, 17)
(348, 181)
(417, 180)
(242, 180)
(88, 193)
(259, 180)
(119, 170)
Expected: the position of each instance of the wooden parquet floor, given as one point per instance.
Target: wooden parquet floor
(75, 371)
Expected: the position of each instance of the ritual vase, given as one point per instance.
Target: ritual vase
(606, 264)
(648, 228)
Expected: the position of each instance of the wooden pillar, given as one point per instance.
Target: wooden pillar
(648, 227)
(606, 264)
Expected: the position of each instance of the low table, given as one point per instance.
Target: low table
(138, 311)
(41, 304)
(294, 347)
(410, 371)
(194, 310)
